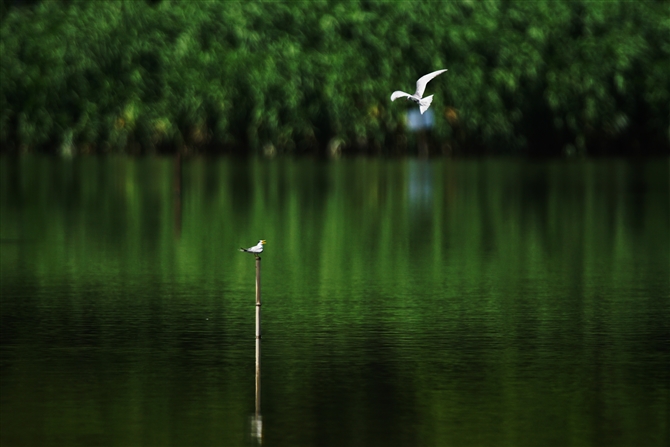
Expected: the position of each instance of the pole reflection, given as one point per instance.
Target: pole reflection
(257, 419)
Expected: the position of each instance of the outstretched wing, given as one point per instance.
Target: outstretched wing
(398, 94)
(425, 103)
(423, 81)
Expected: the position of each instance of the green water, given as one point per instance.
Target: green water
(405, 302)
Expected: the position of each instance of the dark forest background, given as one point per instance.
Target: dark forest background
(532, 78)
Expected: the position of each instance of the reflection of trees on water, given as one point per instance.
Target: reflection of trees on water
(176, 188)
(535, 274)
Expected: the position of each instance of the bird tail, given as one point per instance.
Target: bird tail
(244, 250)
(424, 103)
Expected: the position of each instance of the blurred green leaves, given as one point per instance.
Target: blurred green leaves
(144, 76)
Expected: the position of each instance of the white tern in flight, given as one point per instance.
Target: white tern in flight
(424, 103)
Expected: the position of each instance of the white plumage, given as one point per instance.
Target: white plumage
(256, 249)
(417, 97)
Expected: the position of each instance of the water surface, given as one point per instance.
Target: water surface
(405, 302)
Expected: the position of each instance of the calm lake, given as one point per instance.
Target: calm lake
(405, 302)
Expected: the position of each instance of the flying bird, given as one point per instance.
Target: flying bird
(256, 249)
(417, 97)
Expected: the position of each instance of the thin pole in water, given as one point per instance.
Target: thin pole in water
(258, 297)
(257, 419)
(258, 378)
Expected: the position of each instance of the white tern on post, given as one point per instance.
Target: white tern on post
(256, 250)
(417, 97)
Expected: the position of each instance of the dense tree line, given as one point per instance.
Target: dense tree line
(542, 77)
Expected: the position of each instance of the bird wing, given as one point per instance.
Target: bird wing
(423, 81)
(425, 103)
(398, 94)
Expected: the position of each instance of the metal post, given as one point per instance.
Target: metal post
(258, 297)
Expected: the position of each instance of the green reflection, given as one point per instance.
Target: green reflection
(446, 302)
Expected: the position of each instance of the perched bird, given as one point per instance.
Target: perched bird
(424, 103)
(256, 249)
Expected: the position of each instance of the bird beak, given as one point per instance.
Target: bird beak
(262, 242)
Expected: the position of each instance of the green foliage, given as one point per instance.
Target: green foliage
(523, 76)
